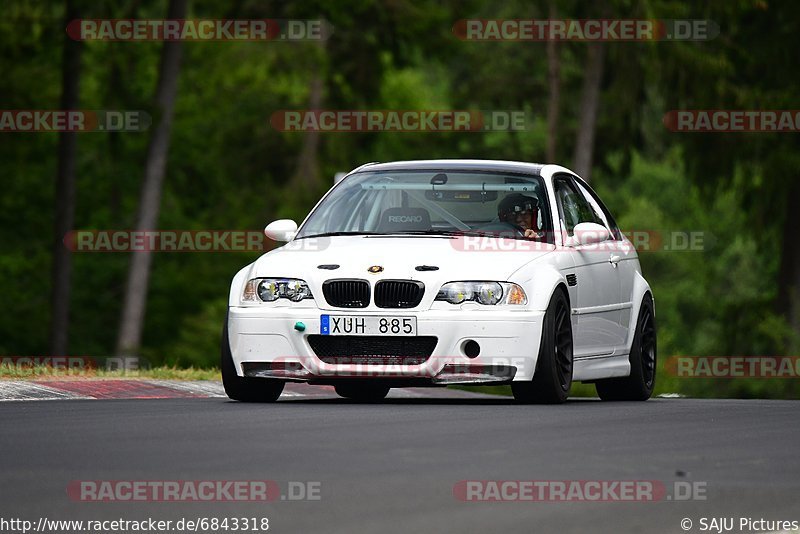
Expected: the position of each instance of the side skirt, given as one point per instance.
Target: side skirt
(595, 368)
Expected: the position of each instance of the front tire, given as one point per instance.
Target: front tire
(553, 376)
(642, 380)
(362, 392)
(245, 389)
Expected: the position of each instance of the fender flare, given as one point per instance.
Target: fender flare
(640, 289)
(541, 283)
(237, 285)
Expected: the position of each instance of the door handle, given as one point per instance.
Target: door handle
(614, 259)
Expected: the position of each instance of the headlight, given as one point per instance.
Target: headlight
(294, 290)
(272, 289)
(267, 290)
(456, 292)
(488, 293)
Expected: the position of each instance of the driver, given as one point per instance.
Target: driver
(520, 211)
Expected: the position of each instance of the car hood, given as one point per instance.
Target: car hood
(457, 258)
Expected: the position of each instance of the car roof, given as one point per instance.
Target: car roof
(454, 164)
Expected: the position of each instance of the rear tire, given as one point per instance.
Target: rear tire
(553, 376)
(362, 392)
(639, 385)
(241, 388)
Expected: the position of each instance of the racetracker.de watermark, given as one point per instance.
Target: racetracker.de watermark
(344, 120)
(733, 366)
(72, 365)
(733, 120)
(199, 30)
(193, 490)
(183, 241)
(578, 491)
(396, 366)
(585, 30)
(638, 240)
(74, 120)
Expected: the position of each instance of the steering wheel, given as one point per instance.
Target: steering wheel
(501, 227)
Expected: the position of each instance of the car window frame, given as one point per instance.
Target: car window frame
(547, 216)
(570, 180)
(584, 188)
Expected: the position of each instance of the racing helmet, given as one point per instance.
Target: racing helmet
(517, 203)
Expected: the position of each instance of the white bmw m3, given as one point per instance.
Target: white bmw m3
(429, 273)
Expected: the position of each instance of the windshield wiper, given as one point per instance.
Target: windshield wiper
(444, 232)
(334, 234)
(477, 233)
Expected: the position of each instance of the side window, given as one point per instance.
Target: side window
(572, 206)
(601, 212)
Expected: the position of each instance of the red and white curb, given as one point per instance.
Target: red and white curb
(70, 389)
(64, 389)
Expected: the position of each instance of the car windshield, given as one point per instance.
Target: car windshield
(433, 203)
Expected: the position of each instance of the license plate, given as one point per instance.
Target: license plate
(367, 325)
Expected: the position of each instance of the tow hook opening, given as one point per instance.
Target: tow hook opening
(471, 348)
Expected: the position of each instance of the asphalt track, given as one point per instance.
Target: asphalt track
(392, 466)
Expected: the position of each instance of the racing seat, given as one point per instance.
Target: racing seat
(404, 220)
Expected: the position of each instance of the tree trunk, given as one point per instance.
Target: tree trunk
(307, 169)
(789, 277)
(133, 309)
(590, 99)
(554, 90)
(65, 193)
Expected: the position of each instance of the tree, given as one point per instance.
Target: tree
(135, 301)
(590, 100)
(789, 273)
(554, 89)
(65, 193)
(307, 170)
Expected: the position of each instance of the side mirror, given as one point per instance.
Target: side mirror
(588, 234)
(281, 230)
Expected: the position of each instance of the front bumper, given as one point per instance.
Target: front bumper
(265, 343)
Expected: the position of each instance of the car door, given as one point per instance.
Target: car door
(622, 255)
(596, 314)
